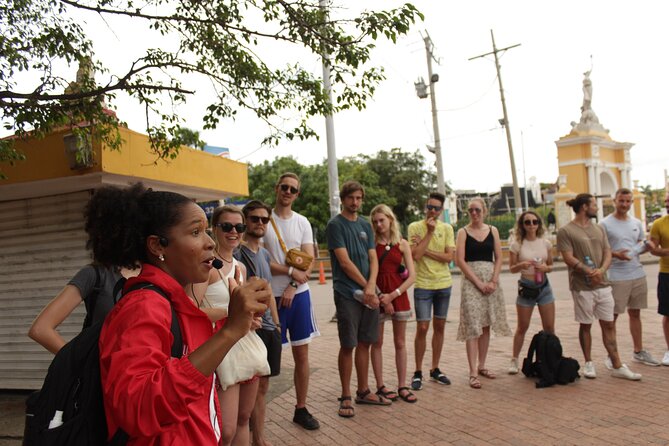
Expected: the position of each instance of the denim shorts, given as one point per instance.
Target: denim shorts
(424, 300)
(545, 296)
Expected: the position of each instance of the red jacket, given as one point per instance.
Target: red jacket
(156, 399)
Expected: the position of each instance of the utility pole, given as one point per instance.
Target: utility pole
(421, 91)
(505, 122)
(333, 171)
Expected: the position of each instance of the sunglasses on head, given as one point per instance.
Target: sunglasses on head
(287, 187)
(431, 207)
(472, 210)
(258, 219)
(531, 222)
(228, 227)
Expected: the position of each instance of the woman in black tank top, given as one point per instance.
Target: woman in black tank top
(479, 257)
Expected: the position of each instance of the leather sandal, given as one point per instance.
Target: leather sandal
(342, 412)
(487, 374)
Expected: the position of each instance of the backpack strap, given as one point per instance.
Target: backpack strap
(175, 328)
(92, 298)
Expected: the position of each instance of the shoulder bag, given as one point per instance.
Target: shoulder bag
(294, 257)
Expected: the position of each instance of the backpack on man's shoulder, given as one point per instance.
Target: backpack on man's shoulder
(68, 410)
(549, 366)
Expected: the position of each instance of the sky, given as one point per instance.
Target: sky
(622, 42)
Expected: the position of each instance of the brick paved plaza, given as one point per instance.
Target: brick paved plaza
(507, 410)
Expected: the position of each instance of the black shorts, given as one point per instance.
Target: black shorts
(663, 294)
(272, 340)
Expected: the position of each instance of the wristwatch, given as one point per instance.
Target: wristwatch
(293, 284)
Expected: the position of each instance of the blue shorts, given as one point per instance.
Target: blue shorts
(545, 295)
(424, 300)
(298, 320)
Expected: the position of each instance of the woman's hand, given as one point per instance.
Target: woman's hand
(388, 308)
(543, 267)
(246, 302)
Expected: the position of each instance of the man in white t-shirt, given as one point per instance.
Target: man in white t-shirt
(291, 288)
(628, 279)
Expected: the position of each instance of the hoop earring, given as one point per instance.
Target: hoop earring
(161, 258)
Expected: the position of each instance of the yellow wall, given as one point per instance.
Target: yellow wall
(577, 177)
(192, 167)
(575, 152)
(46, 160)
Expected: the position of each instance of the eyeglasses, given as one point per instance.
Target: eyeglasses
(287, 187)
(431, 207)
(228, 227)
(531, 222)
(258, 219)
(474, 210)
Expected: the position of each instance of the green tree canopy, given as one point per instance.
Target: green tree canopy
(396, 178)
(218, 39)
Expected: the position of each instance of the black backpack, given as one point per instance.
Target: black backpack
(550, 366)
(73, 386)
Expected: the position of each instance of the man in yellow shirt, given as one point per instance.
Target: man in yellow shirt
(659, 236)
(432, 247)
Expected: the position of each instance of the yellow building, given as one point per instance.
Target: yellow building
(590, 161)
(42, 237)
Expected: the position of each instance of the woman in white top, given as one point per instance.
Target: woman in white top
(530, 254)
(212, 297)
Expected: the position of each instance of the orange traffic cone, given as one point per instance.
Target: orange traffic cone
(321, 274)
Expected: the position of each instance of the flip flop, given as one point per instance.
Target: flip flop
(407, 396)
(361, 398)
(474, 382)
(387, 394)
(487, 373)
(343, 408)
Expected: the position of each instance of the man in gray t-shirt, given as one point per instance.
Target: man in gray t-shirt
(628, 279)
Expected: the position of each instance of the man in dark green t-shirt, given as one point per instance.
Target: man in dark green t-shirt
(354, 269)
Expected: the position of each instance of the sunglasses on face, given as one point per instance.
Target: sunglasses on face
(431, 207)
(228, 227)
(286, 187)
(531, 222)
(474, 210)
(258, 219)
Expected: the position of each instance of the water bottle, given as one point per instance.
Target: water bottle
(590, 264)
(538, 275)
(57, 420)
(359, 295)
(639, 248)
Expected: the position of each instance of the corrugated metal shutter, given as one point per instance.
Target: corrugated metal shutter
(42, 245)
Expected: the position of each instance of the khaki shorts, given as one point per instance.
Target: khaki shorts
(593, 304)
(632, 294)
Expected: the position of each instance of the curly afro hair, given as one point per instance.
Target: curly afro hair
(119, 220)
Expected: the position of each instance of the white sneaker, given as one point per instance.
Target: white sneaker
(625, 373)
(665, 360)
(513, 367)
(645, 358)
(589, 370)
(608, 363)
